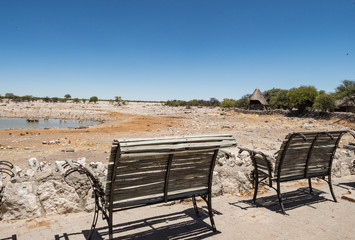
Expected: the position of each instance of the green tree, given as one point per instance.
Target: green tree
(93, 99)
(27, 98)
(46, 99)
(67, 96)
(228, 103)
(215, 102)
(325, 102)
(76, 100)
(9, 95)
(193, 102)
(302, 98)
(346, 91)
(243, 102)
(277, 98)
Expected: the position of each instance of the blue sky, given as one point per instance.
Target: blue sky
(173, 49)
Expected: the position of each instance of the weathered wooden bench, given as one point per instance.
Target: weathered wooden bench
(302, 155)
(155, 170)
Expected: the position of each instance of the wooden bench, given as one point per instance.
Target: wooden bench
(155, 170)
(302, 155)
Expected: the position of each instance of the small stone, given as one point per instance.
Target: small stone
(33, 163)
(69, 150)
(82, 161)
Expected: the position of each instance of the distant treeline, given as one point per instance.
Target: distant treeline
(29, 98)
(303, 98)
(213, 102)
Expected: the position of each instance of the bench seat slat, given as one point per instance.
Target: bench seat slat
(174, 141)
(173, 147)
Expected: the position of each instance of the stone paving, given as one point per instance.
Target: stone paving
(309, 217)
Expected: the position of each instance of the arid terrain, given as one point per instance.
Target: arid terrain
(136, 120)
(46, 206)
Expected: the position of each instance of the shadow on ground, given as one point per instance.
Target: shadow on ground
(182, 225)
(13, 237)
(291, 200)
(346, 185)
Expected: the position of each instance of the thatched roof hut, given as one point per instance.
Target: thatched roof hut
(257, 100)
(345, 106)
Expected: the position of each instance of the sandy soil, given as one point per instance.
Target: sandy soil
(140, 120)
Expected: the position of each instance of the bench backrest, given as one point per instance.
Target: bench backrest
(307, 154)
(152, 170)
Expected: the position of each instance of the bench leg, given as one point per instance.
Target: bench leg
(331, 187)
(210, 212)
(109, 221)
(280, 197)
(256, 185)
(195, 205)
(94, 221)
(310, 185)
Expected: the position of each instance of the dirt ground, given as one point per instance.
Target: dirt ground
(148, 120)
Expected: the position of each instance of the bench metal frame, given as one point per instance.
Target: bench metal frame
(6, 168)
(263, 164)
(104, 202)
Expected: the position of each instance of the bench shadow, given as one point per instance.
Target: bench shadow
(291, 200)
(346, 185)
(13, 237)
(181, 225)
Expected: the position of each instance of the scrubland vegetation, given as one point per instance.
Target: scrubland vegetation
(303, 98)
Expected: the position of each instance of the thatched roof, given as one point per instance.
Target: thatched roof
(344, 103)
(258, 96)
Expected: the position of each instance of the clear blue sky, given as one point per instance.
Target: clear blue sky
(173, 49)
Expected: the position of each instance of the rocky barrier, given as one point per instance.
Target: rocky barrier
(41, 189)
(348, 116)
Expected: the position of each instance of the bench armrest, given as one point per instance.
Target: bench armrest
(70, 167)
(261, 161)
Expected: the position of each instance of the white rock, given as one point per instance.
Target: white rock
(33, 163)
(82, 161)
(20, 201)
(57, 197)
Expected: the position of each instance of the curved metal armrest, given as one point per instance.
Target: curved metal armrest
(224, 153)
(266, 159)
(72, 167)
(352, 133)
(7, 168)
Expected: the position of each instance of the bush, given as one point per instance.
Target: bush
(228, 103)
(277, 98)
(346, 91)
(93, 99)
(302, 98)
(195, 102)
(243, 102)
(325, 102)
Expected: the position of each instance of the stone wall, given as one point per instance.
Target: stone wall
(41, 190)
(348, 116)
